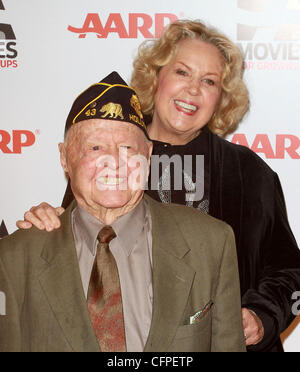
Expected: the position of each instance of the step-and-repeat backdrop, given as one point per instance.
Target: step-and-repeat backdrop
(50, 50)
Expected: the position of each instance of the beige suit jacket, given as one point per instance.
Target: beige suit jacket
(194, 262)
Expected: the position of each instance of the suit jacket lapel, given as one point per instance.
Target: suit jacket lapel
(172, 278)
(61, 283)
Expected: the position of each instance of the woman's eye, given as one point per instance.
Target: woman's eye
(209, 82)
(181, 72)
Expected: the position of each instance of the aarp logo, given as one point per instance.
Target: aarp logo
(15, 141)
(130, 26)
(281, 146)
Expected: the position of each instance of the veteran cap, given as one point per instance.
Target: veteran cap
(111, 99)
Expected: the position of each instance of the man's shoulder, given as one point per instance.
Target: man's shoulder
(23, 236)
(203, 222)
(195, 221)
(22, 243)
(24, 240)
(183, 211)
(206, 236)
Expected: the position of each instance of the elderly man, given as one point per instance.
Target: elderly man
(123, 273)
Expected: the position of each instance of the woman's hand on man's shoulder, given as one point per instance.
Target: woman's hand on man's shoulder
(43, 217)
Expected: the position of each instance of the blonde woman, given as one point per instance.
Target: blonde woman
(190, 84)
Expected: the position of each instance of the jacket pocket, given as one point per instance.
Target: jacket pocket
(194, 329)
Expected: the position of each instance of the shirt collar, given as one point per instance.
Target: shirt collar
(86, 228)
(127, 228)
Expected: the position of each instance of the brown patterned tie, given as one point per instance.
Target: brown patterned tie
(104, 297)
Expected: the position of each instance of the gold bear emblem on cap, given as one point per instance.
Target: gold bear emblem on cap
(114, 110)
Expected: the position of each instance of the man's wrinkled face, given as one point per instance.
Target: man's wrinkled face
(108, 163)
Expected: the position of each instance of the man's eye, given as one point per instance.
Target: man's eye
(96, 148)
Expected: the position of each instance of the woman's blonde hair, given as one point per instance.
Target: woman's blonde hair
(155, 54)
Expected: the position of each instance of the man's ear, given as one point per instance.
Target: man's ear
(63, 157)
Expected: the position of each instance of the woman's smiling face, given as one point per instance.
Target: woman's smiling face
(189, 89)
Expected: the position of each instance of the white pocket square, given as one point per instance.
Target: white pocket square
(200, 314)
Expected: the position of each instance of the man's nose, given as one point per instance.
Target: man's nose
(114, 153)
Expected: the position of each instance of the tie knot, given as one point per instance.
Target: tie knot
(106, 235)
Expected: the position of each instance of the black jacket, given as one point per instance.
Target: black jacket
(246, 193)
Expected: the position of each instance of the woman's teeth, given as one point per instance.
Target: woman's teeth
(186, 107)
